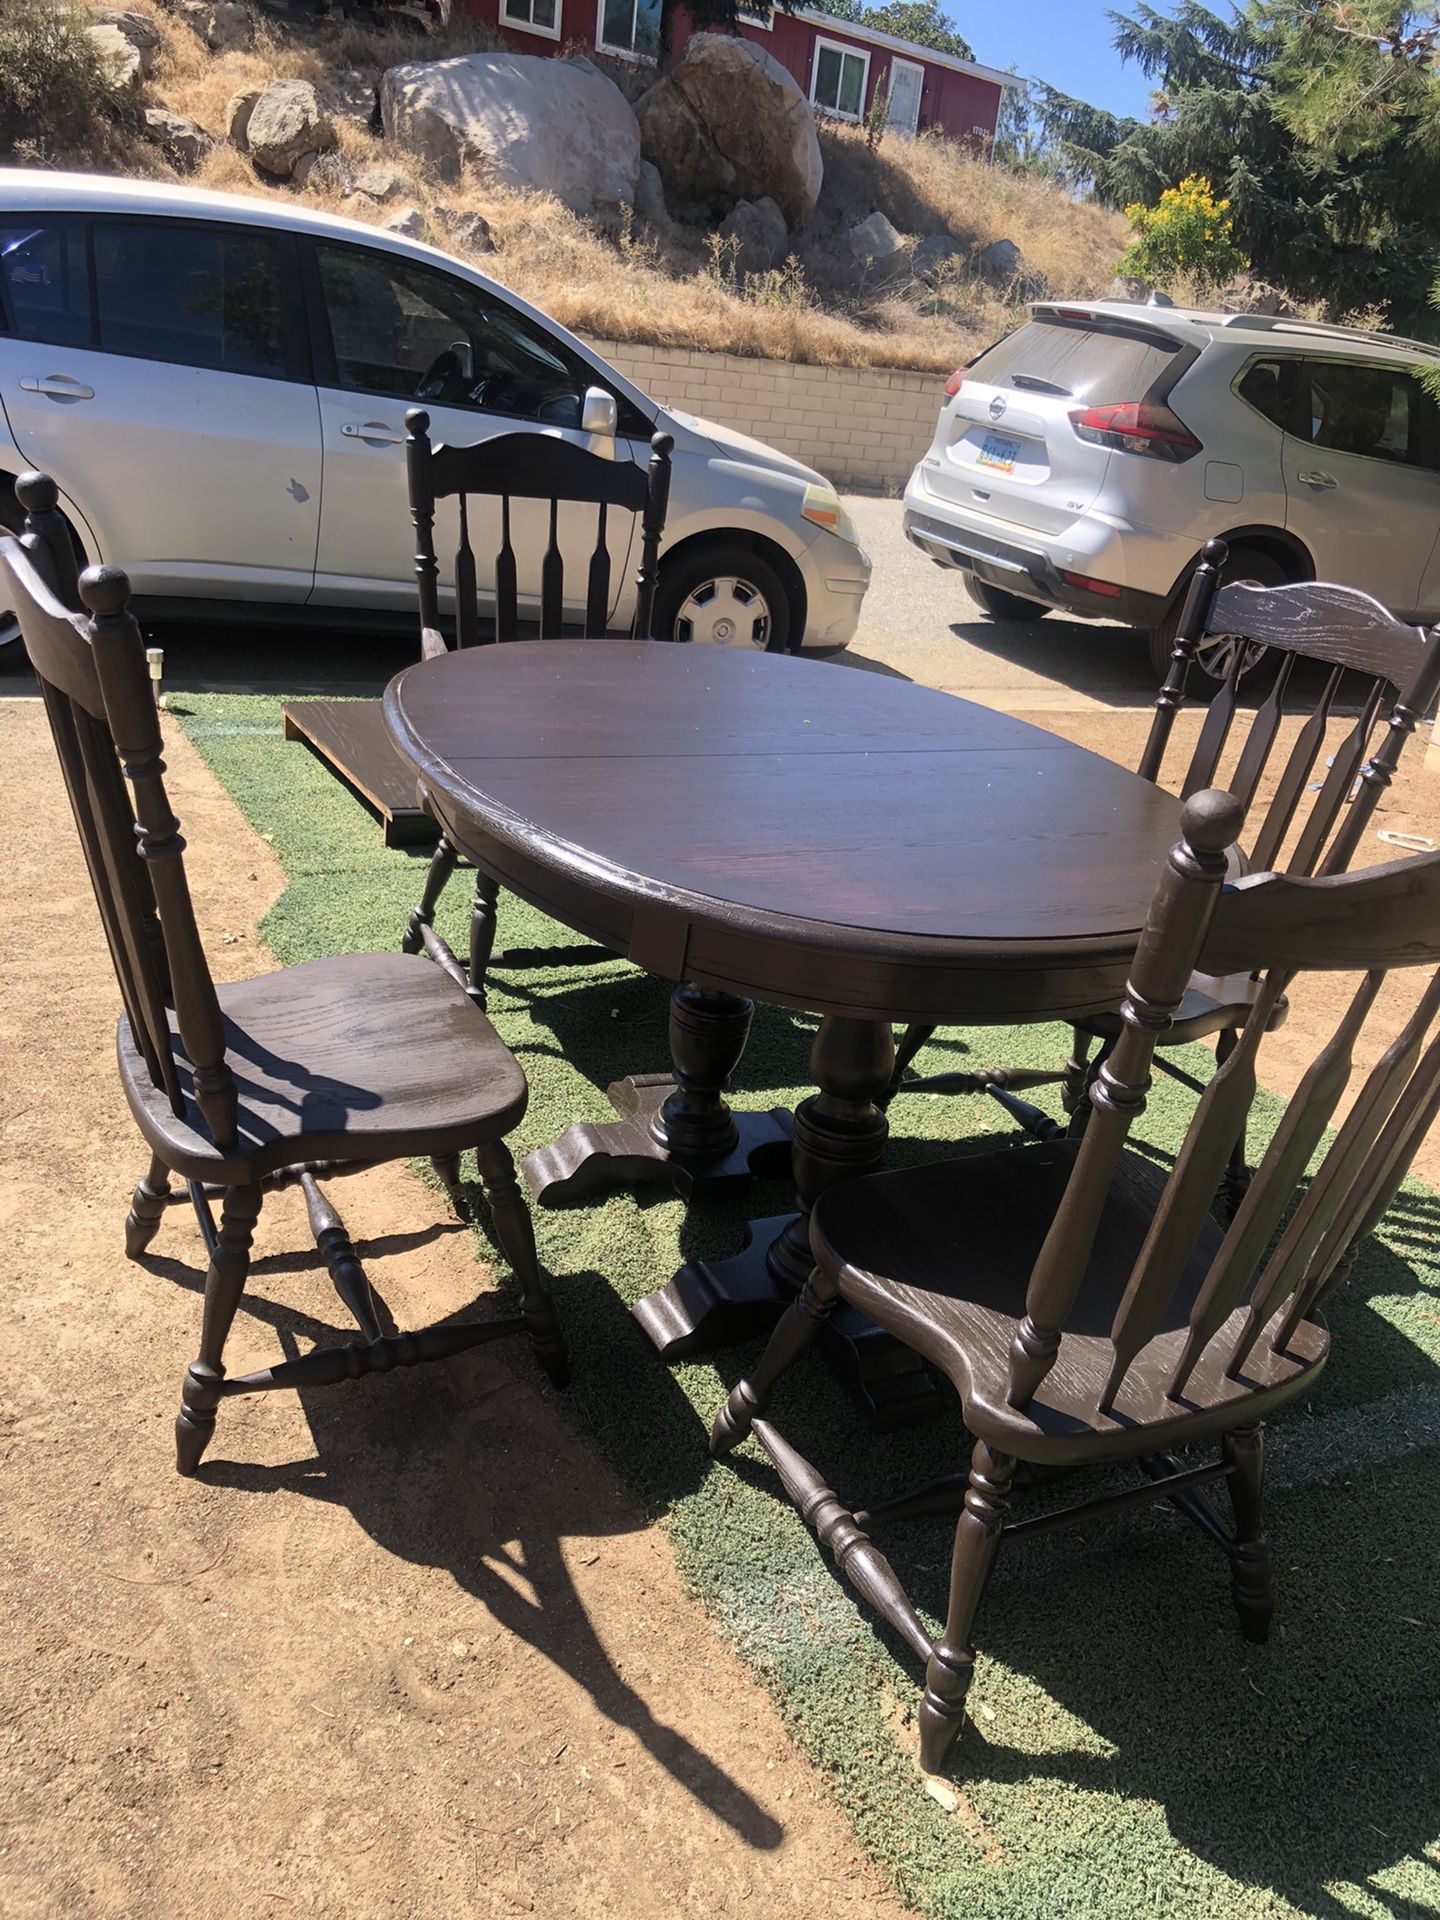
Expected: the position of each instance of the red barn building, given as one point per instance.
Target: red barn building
(839, 65)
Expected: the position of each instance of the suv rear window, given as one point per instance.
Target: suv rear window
(1092, 364)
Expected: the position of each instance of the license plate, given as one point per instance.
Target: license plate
(998, 450)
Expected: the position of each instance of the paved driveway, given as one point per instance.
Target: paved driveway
(920, 622)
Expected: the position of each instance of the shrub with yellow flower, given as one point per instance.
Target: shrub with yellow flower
(1186, 238)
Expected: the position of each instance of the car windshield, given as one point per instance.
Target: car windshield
(1091, 364)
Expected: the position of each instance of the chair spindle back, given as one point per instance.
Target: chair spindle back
(102, 715)
(1343, 629)
(530, 466)
(1274, 926)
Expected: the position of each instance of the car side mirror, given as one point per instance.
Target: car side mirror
(599, 413)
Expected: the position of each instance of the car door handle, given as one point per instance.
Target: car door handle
(59, 384)
(379, 433)
(1321, 482)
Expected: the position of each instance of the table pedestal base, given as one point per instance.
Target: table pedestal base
(635, 1150)
(717, 1303)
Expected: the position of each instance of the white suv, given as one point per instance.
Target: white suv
(1083, 461)
(219, 386)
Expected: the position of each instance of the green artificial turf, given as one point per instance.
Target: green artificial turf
(1131, 1753)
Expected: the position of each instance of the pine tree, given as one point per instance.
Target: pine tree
(1319, 122)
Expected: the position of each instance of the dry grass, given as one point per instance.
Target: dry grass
(667, 286)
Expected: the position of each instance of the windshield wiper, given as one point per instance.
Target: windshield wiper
(1032, 383)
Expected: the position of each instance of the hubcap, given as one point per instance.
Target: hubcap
(1217, 655)
(725, 612)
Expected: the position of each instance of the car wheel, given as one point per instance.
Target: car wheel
(1246, 566)
(723, 597)
(1001, 605)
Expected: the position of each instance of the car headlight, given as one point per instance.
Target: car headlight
(822, 505)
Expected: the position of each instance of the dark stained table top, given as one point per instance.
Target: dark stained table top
(801, 832)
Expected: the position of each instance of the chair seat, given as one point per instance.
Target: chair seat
(368, 1056)
(1212, 1003)
(940, 1256)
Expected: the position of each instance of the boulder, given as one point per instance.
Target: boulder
(237, 117)
(286, 122)
(119, 56)
(999, 262)
(229, 27)
(650, 195)
(759, 230)
(546, 126)
(728, 123)
(182, 142)
(1129, 286)
(138, 28)
(1253, 296)
(933, 254)
(327, 172)
(195, 14)
(380, 182)
(409, 223)
(469, 232)
(878, 245)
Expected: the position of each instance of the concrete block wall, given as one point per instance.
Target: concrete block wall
(860, 426)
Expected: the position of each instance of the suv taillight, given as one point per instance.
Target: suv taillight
(1132, 426)
(954, 383)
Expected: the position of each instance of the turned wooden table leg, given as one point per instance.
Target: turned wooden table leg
(840, 1131)
(676, 1128)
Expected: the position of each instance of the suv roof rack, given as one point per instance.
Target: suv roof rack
(1283, 323)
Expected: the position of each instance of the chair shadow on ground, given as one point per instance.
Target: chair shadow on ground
(454, 1468)
(1293, 1766)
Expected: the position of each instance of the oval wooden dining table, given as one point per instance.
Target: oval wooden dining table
(761, 826)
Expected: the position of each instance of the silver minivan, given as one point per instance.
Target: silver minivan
(219, 386)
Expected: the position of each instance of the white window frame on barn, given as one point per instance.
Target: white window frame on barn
(618, 48)
(511, 15)
(846, 53)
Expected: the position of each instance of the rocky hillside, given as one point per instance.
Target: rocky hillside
(704, 209)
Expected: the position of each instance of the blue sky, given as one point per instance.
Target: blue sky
(1065, 42)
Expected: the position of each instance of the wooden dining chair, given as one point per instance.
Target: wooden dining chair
(520, 466)
(1314, 822)
(290, 1078)
(1089, 1308)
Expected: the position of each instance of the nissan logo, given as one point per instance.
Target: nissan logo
(997, 407)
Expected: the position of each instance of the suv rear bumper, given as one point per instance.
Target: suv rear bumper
(1025, 571)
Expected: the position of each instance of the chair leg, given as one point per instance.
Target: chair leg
(482, 934)
(1075, 1087)
(516, 1233)
(792, 1334)
(446, 1167)
(1251, 1580)
(224, 1284)
(147, 1208)
(915, 1036)
(1236, 1179)
(442, 865)
(952, 1659)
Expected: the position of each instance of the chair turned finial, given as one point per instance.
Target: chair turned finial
(37, 492)
(1212, 820)
(663, 444)
(417, 422)
(105, 590)
(1215, 553)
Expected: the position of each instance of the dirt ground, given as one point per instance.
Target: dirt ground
(410, 1650)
